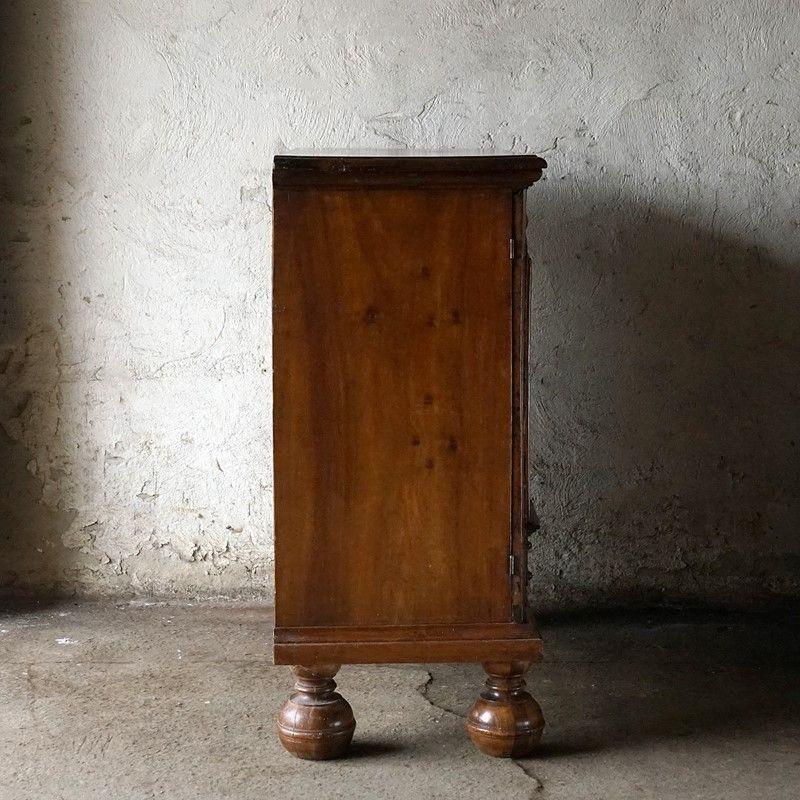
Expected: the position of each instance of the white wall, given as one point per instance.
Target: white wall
(137, 138)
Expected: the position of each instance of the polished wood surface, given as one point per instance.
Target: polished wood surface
(316, 722)
(520, 501)
(391, 168)
(505, 721)
(391, 644)
(392, 376)
(402, 515)
(410, 652)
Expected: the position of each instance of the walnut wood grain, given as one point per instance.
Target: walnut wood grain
(505, 721)
(316, 722)
(409, 651)
(392, 413)
(520, 265)
(401, 168)
(396, 633)
(389, 644)
(400, 375)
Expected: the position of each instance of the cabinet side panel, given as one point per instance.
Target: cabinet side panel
(392, 414)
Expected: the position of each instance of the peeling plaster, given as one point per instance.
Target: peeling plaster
(135, 361)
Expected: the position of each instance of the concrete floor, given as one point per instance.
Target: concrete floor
(152, 700)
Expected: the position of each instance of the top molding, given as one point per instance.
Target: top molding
(405, 168)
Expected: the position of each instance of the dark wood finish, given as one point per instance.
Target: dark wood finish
(392, 645)
(505, 720)
(399, 168)
(316, 722)
(400, 319)
(519, 393)
(409, 633)
(392, 407)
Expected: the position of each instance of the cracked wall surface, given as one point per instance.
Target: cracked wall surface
(136, 143)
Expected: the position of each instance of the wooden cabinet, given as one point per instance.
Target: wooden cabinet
(400, 317)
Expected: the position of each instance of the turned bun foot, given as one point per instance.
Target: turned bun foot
(316, 722)
(505, 720)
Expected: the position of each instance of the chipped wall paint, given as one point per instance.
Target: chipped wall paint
(136, 144)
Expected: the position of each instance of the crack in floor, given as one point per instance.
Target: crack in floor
(538, 789)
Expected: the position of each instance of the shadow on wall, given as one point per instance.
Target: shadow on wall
(664, 382)
(33, 515)
(665, 371)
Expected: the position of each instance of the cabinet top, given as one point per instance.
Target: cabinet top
(405, 168)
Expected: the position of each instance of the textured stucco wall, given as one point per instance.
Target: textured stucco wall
(136, 146)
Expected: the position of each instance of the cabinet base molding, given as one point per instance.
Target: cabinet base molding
(394, 644)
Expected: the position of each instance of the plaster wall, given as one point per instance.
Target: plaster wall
(136, 143)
